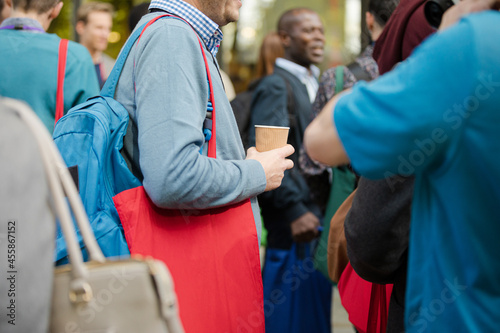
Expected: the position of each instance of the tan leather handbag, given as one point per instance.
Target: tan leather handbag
(131, 295)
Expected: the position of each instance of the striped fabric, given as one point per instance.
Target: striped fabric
(207, 29)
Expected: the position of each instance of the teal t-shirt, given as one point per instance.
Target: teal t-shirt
(437, 115)
(28, 70)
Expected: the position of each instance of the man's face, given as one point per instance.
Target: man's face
(221, 12)
(306, 40)
(94, 35)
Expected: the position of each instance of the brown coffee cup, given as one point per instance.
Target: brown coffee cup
(270, 137)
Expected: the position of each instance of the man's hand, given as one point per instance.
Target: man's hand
(274, 163)
(465, 7)
(305, 228)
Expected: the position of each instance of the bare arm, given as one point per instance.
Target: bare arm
(464, 7)
(321, 139)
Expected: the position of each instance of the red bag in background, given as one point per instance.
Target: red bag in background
(366, 303)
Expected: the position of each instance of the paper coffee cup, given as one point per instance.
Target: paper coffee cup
(270, 137)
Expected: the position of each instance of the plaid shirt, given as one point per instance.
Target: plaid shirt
(207, 29)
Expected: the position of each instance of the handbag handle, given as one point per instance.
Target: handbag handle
(61, 183)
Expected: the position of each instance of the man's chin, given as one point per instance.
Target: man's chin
(231, 18)
(317, 59)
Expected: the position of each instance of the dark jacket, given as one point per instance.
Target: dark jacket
(377, 233)
(269, 107)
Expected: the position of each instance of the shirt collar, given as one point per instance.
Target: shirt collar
(22, 21)
(208, 30)
(299, 71)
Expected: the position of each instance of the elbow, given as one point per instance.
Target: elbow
(373, 272)
(170, 193)
(312, 144)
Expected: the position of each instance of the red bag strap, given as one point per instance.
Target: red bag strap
(212, 143)
(377, 313)
(61, 70)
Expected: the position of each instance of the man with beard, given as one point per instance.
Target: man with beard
(165, 89)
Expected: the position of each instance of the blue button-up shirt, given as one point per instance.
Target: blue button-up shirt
(208, 30)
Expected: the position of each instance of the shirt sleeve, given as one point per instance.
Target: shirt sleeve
(402, 122)
(171, 98)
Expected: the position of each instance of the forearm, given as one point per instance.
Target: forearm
(321, 139)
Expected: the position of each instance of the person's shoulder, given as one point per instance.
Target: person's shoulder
(486, 23)
(166, 27)
(272, 82)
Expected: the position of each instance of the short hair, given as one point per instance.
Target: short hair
(289, 18)
(90, 7)
(38, 6)
(382, 10)
(1, 5)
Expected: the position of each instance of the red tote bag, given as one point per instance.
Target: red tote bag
(212, 254)
(366, 303)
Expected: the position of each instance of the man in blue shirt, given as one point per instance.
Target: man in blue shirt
(435, 116)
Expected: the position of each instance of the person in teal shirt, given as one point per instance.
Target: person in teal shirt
(29, 55)
(437, 116)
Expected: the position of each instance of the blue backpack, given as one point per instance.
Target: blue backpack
(90, 136)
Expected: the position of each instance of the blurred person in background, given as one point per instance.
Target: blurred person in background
(5, 9)
(435, 116)
(290, 217)
(29, 65)
(270, 49)
(363, 68)
(378, 224)
(94, 21)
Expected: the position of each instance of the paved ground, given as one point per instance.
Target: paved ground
(340, 321)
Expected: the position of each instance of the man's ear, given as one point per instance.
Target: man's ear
(80, 27)
(56, 10)
(284, 38)
(8, 3)
(370, 20)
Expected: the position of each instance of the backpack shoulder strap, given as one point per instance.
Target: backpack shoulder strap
(61, 70)
(339, 79)
(109, 88)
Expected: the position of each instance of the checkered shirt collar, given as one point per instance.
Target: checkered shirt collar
(205, 27)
